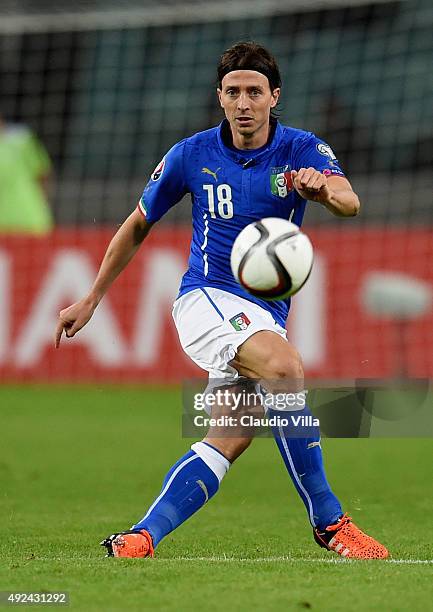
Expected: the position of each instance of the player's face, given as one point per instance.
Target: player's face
(247, 100)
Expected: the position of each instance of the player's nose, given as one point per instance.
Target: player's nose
(243, 102)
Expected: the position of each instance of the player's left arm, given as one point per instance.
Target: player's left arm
(334, 192)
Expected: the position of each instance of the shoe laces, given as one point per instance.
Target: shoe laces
(343, 520)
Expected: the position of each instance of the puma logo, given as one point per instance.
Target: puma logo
(211, 172)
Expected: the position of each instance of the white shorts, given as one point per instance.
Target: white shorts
(213, 323)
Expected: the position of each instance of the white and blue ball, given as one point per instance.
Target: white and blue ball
(271, 258)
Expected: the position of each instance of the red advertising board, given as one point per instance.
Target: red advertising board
(132, 337)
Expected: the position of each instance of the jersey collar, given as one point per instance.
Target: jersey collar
(241, 157)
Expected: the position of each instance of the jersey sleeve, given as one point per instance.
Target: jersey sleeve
(166, 186)
(311, 151)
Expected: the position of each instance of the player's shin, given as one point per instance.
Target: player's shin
(189, 484)
(298, 440)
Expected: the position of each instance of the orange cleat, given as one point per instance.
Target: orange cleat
(130, 544)
(347, 540)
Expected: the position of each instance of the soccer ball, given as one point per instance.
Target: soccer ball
(272, 258)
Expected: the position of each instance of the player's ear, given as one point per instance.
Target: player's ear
(219, 92)
(275, 96)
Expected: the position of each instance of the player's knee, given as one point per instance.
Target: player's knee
(288, 367)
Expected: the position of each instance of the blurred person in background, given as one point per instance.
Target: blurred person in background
(25, 170)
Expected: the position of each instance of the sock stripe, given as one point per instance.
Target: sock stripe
(296, 477)
(170, 480)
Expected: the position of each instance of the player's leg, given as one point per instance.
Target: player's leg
(269, 357)
(191, 482)
(188, 485)
(195, 478)
(231, 440)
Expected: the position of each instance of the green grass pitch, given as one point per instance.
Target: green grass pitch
(78, 463)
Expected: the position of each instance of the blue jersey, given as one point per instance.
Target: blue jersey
(231, 188)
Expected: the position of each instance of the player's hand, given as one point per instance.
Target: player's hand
(73, 318)
(311, 185)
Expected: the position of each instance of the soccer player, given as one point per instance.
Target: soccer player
(230, 171)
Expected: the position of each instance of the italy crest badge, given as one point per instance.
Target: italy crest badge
(281, 181)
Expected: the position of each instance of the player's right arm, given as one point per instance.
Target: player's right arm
(120, 251)
(165, 188)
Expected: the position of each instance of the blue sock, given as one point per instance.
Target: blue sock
(189, 484)
(303, 459)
